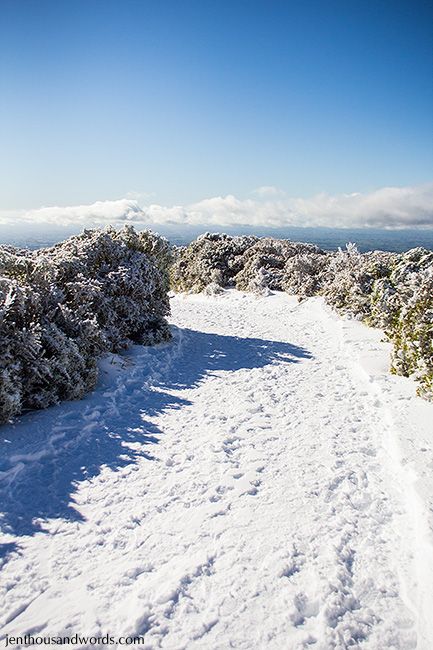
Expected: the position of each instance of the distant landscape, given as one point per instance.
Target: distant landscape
(366, 239)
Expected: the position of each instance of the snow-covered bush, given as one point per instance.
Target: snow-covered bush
(263, 263)
(403, 305)
(61, 307)
(348, 280)
(212, 259)
(304, 273)
(40, 363)
(249, 263)
(151, 244)
(105, 278)
(386, 290)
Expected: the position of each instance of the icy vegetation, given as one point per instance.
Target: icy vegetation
(62, 307)
(403, 305)
(210, 260)
(388, 290)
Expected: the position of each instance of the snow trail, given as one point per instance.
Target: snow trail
(243, 486)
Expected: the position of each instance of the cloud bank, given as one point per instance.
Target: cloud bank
(389, 207)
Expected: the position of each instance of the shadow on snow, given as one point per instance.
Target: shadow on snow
(46, 454)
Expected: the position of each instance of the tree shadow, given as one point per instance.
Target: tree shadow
(44, 455)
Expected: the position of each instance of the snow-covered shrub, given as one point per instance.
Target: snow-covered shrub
(151, 244)
(390, 293)
(210, 259)
(348, 281)
(102, 277)
(39, 363)
(263, 264)
(61, 307)
(249, 263)
(386, 290)
(212, 289)
(403, 305)
(304, 273)
(412, 337)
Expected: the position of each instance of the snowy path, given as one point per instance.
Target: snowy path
(260, 482)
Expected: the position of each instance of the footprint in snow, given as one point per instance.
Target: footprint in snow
(303, 609)
(294, 563)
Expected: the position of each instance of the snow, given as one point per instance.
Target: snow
(261, 481)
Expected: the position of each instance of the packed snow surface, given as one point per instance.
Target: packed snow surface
(261, 481)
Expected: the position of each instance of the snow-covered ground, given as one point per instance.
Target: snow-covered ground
(259, 482)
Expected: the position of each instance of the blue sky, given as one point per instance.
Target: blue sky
(185, 100)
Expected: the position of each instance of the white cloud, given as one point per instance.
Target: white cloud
(94, 214)
(389, 207)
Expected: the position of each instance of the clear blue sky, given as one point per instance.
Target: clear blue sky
(189, 99)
